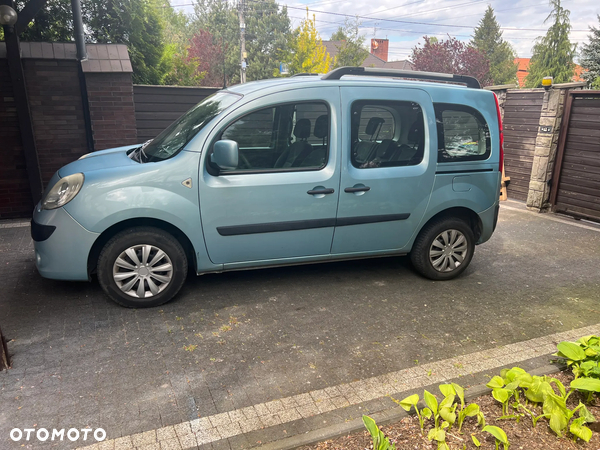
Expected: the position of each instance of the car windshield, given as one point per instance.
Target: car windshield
(179, 133)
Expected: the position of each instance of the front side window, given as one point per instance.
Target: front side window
(293, 136)
(172, 140)
(463, 134)
(387, 134)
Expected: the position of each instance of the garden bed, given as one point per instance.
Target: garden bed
(406, 434)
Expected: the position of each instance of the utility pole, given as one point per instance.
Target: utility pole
(243, 55)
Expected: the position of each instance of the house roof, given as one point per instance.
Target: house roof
(333, 48)
(523, 71)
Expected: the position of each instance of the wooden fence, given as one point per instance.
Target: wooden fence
(156, 107)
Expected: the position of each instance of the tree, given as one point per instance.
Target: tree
(590, 58)
(451, 56)
(53, 23)
(351, 52)
(209, 55)
(488, 40)
(267, 38)
(553, 54)
(135, 23)
(180, 68)
(309, 55)
(220, 20)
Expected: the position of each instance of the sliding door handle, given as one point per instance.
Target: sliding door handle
(352, 190)
(323, 191)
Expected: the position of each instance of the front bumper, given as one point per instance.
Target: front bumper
(61, 245)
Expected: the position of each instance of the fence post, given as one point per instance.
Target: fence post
(546, 144)
(4, 358)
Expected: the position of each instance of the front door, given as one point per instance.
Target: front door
(388, 168)
(280, 202)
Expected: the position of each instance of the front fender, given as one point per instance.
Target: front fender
(151, 190)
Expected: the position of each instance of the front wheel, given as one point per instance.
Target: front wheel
(443, 249)
(142, 267)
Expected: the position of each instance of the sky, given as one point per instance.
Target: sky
(405, 22)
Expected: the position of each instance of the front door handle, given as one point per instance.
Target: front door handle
(357, 189)
(323, 191)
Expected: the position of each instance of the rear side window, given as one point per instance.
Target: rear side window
(463, 133)
(386, 134)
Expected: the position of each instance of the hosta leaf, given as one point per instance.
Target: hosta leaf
(431, 401)
(538, 390)
(409, 402)
(578, 429)
(558, 422)
(460, 392)
(585, 340)
(495, 382)
(502, 395)
(497, 432)
(585, 414)
(475, 441)
(448, 414)
(553, 402)
(447, 390)
(571, 351)
(586, 384)
(436, 434)
(481, 419)
(447, 401)
(514, 373)
(560, 386)
(426, 412)
(371, 426)
(471, 410)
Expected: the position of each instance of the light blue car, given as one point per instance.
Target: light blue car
(356, 163)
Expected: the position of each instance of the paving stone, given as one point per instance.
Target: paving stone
(166, 433)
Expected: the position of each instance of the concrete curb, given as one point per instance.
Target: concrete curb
(382, 418)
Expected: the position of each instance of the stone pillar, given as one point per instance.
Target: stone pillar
(545, 145)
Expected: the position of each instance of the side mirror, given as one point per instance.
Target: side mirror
(225, 154)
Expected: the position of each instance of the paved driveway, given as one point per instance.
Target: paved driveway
(230, 341)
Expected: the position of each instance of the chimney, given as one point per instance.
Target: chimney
(379, 48)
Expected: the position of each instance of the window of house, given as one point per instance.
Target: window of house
(463, 134)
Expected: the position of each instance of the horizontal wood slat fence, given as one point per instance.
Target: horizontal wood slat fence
(576, 186)
(156, 107)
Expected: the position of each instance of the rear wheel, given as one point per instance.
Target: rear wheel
(443, 249)
(142, 267)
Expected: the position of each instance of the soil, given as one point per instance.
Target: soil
(406, 434)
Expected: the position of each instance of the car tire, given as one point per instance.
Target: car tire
(443, 249)
(142, 267)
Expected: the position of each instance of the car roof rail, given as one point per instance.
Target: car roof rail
(305, 74)
(336, 74)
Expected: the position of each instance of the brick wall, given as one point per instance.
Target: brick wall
(56, 111)
(112, 111)
(15, 195)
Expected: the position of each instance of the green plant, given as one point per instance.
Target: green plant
(412, 401)
(444, 413)
(380, 441)
(499, 434)
(539, 390)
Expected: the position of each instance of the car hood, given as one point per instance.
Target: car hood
(104, 159)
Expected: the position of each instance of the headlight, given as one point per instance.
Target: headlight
(63, 191)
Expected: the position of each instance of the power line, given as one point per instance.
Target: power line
(407, 21)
